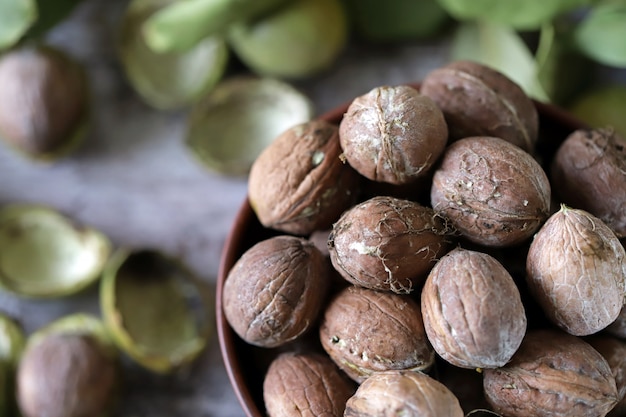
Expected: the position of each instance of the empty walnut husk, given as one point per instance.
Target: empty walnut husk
(155, 309)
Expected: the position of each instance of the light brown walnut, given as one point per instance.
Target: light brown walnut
(553, 374)
(477, 100)
(299, 184)
(402, 393)
(494, 193)
(393, 134)
(576, 270)
(388, 244)
(366, 331)
(472, 310)
(305, 385)
(589, 172)
(275, 291)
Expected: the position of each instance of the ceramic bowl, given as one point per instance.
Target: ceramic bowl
(246, 365)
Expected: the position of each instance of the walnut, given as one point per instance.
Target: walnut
(299, 184)
(494, 193)
(393, 134)
(477, 100)
(388, 244)
(275, 291)
(576, 270)
(401, 393)
(305, 384)
(589, 172)
(472, 310)
(366, 331)
(553, 374)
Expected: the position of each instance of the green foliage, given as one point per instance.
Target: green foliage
(603, 107)
(518, 14)
(602, 34)
(395, 20)
(16, 16)
(183, 24)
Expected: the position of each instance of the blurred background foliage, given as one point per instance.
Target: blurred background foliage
(175, 52)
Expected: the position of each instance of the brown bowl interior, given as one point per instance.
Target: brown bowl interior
(246, 365)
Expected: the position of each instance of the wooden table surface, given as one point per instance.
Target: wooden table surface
(134, 179)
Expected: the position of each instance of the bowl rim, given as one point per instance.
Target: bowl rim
(243, 217)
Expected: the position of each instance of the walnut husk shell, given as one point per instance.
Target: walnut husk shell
(402, 393)
(576, 270)
(552, 374)
(305, 384)
(393, 134)
(366, 331)
(275, 291)
(589, 172)
(494, 193)
(472, 310)
(299, 184)
(388, 244)
(66, 375)
(477, 100)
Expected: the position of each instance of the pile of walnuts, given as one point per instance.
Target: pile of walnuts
(459, 268)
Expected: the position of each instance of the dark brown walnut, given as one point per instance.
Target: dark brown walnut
(366, 331)
(299, 184)
(576, 270)
(553, 374)
(614, 351)
(472, 310)
(401, 393)
(43, 99)
(66, 375)
(388, 244)
(494, 193)
(477, 100)
(393, 134)
(305, 384)
(275, 291)
(589, 172)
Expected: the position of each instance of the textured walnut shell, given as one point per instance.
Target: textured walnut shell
(614, 351)
(43, 99)
(552, 374)
(305, 384)
(472, 310)
(477, 100)
(387, 244)
(366, 331)
(298, 183)
(275, 291)
(65, 375)
(393, 134)
(401, 393)
(576, 270)
(494, 193)
(589, 172)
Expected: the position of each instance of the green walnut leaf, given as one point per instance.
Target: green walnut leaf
(526, 14)
(501, 48)
(395, 20)
(602, 34)
(16, 16)
(183, 24)
(602, 107)
(561, 70)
